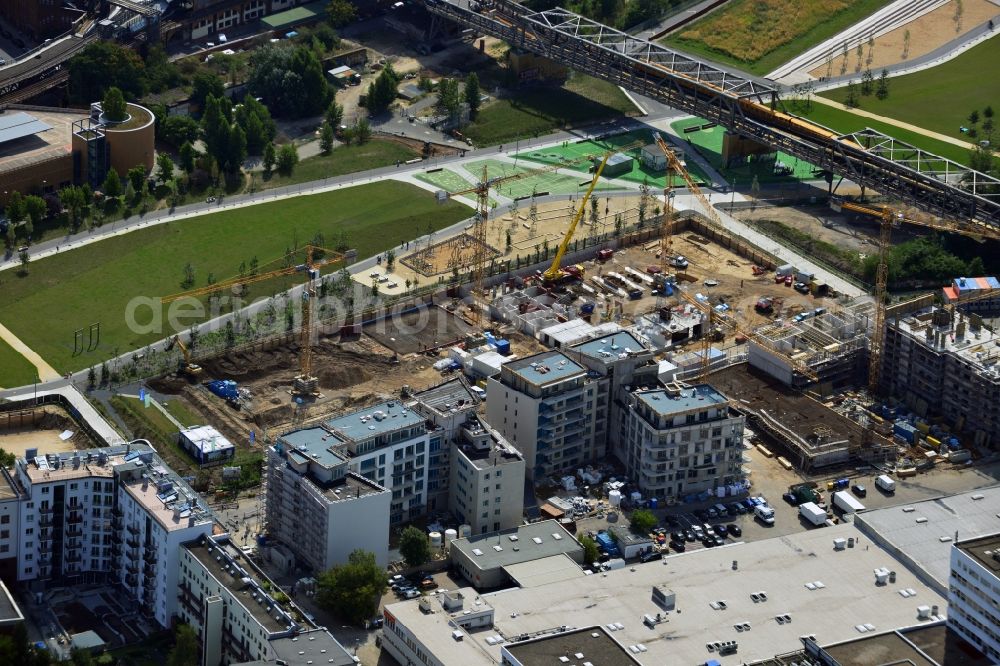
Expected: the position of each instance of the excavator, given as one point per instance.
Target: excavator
(186, 366)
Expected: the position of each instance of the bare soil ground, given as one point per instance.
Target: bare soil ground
(44, 436)
(927, 33)
(418, 331)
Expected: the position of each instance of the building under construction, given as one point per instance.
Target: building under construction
(832, 344)
(942, 363)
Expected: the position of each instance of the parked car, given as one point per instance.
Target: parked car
(677, 546)
(721, 530)
(859, 490)
(737, 508)
(790, 498)
(677, 536)
(700, 514)
(708, 542)
(712, 513)
(411, 594)
(734, 530)
(689, 536)
(650, 556)
(801, 287)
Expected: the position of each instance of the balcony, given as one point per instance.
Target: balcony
(133, 529)
(117, 522)
(149, 556)
(45, 520)
(46, 510)
(149, 585)
(73, 556)
(75, 531)
(132, 580)
(44, 560)
(45, 546)
(117, 512)
(74, 518)
(149, 570)
(132, 542)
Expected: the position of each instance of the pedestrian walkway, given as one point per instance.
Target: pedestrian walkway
(46, 372)
(898, 123)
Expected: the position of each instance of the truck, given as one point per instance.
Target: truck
(846, 502)
(885, 484)
(764, 514)
(805, 492)
(811, 512)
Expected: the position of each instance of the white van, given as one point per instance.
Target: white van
(764, 514)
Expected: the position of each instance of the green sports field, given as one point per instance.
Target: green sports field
(94, 283)
(942, 97)
(552, 183)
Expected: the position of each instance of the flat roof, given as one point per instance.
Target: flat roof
(314, 443)
(294, 16)
(545, 368)
(18, 124)
(932, 645)
(162, 506)
(311, 647)
(590, 645)
(10, 613)
(544, 571)
(45, 146)
(533, 542)
(450, 396)
(697, 397)
(86, 640)
(609, 348)
(917, 529)
(985, 550)
(207, 439)
(242, 580)
(375, 420)
(781, 567)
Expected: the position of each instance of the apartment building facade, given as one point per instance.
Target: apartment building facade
(10, 530)
(229, 603)
(682, 440)
(320, 509)
(107, 515)
(545, 405)
(487, 479)
(974, 593)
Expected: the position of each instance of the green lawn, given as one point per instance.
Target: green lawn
(941, 98)
(760, 35)
(447, 179)
(709, 145)
(14, 368)
(95, 283)
(536, 111)
(577, 150)
(844, 121)
(342, 160)
(179, 411)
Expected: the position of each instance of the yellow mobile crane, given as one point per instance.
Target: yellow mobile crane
(305, 383)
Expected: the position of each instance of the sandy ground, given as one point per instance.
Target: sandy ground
(927, 33)
(46, 441)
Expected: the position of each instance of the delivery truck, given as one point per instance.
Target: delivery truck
(885, 484)
(846, 502)
(811, 512)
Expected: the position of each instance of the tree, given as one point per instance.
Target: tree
(326, 138)
(16, 209)
(414, 546)
(340, 12)
(236, 150)
(136, 177)
(188, 156)
(867, 82)
(288, 157)
(590, 550)
(382, 91)
(352, 590)
(101, 65)
(335, 115)
(24, 258)
(269, 157)
(188, 280)
(851, 100)
(361, 130)
(290, 80)
(883, 84)
(165, 165)
(906, 44)
(257, 122)
(176, 130)
(36, 208)
(642, 521)
(976, 267)
(74, 201)
(988, 112)
(973, 117)
(215, 129)
(113, 105)
(185, 649)
(204, 84)
(449, 100)
(871, 50)
(472, 94)
(981, 159)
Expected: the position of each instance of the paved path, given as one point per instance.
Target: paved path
(898, 123)
(672, 21)
(45, 371)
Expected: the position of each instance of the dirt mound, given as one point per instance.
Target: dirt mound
(342, 376)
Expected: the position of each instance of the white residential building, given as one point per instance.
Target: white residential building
(115, 514)
(317, 507)
(974, 593)
(682, 440)
(487, 479)
(546, 406)
(229, 603)
(10, 531)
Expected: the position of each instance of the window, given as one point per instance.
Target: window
(4, 534)
(499, 472)
(4, 519)
(29, 531)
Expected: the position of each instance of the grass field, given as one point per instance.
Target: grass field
(184, 415)
(95, 283)
(845, 121)
(579, 150)
(760, 35)
(940, 98)
(14, 368)
(532, 112)
(343, 160)
(709, 145)
(447, 179)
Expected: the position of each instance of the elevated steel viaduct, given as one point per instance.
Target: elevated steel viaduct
(750, 107)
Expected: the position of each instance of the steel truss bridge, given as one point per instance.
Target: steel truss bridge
(964, 198)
